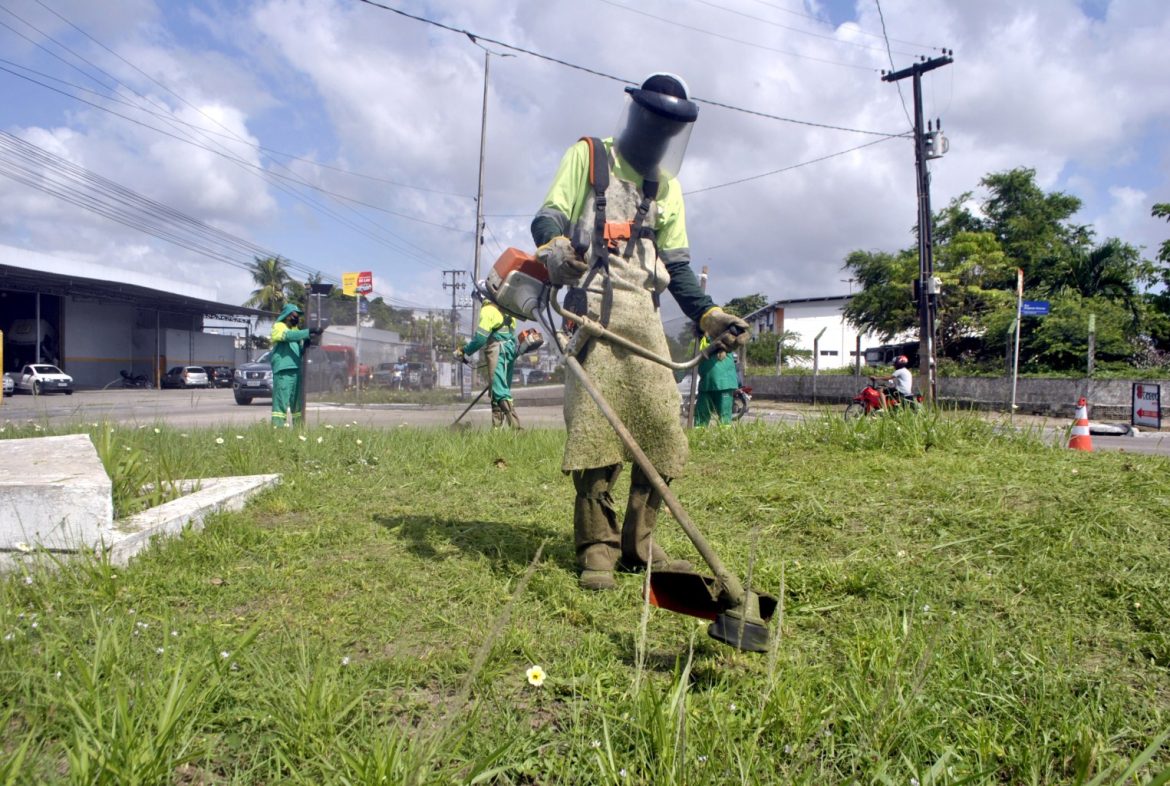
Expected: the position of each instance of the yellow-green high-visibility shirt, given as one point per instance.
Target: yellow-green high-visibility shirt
(570, 190)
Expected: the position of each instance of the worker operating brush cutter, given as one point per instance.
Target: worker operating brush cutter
(612, 230)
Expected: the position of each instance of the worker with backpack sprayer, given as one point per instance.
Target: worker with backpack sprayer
(496, 335)
(613, 228)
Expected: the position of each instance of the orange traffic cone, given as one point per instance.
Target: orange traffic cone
(1080, 439)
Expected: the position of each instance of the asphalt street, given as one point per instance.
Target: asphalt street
(538, 407)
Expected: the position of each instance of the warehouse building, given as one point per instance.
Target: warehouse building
(95, 321)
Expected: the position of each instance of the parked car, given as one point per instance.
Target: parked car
(418, 376)
(408, 375)
(386, 375)
(186, 377)
(9, 385)
(254, 380)
(220, 376)
(43, 378)
(538, 377)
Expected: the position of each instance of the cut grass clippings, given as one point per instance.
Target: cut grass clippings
(959, 606)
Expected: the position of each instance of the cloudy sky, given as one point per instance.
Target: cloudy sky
(344, 136)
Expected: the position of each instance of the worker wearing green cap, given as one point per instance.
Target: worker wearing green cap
(287, 345)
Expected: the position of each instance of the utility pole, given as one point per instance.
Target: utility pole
(928, 288)
(455, 285)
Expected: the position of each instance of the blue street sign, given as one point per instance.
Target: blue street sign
(363, 306)
(1034, 308)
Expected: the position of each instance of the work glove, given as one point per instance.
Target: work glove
(716, 323)
(564, 265)
(459, 356)
(316, 331)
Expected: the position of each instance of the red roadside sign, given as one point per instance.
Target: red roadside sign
(365, 283)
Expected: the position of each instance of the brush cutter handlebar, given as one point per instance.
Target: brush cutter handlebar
(595, 329)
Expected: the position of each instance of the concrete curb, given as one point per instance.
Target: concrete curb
(128, 537)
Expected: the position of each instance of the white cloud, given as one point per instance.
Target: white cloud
(1082, 100)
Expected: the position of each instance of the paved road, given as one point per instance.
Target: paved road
(206, 408)
(538, 407)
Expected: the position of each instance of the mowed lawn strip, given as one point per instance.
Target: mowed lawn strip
(957, 603)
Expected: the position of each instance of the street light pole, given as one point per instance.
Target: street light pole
(479, 224)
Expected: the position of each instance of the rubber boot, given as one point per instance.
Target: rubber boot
(595, 530)
(510, 413)
(497, 414)
(638, 546)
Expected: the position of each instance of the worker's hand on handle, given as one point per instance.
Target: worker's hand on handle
(565, 266)
(725, 330)
(459, 356)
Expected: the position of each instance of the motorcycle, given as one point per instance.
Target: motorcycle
(135, 381)
(873, 399)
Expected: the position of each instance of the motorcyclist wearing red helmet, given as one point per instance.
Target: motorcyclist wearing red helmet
(903, 381)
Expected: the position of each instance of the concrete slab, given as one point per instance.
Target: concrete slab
(54, 493)
(127, 537)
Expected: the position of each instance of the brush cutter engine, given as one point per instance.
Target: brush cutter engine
(516, 283)
(529, 340)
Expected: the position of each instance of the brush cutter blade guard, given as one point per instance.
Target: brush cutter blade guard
(744, 626)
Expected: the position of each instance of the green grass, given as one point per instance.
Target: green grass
(957, 607)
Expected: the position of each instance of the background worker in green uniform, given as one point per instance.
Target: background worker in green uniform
(619, 254)
(718, 380)
(496, 334)
(287, 347)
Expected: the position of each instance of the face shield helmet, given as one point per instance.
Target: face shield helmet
(656, 126)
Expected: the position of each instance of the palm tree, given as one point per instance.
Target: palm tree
(272, 280)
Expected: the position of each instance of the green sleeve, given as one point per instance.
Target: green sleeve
(674, 250)
(295, 335)
(478, 340)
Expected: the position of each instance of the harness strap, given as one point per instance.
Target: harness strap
(599, 179)
(649, 194)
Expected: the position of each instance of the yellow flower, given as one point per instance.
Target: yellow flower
(535, 676)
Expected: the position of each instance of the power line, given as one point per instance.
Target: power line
(882, 16)
(739, 41)
(42, 170)
(787, 168)
(611, 77)
(246, 165)
(834, 39)
(859, 30)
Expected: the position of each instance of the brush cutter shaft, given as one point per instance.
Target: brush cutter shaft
(473, 403)
(732, 588)
(594, 328)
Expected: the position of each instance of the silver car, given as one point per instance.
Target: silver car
(186, 377)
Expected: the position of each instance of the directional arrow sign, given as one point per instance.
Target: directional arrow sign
(1147, 405)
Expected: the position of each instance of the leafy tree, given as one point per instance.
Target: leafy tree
(761, 350)
(977, 282)
(1060, 340)
(976, 256)
(1112, 270)
(1159, 313)
(1162, 210)
(1032, 226)
(884, 305)
(272, 281)
(742, 306)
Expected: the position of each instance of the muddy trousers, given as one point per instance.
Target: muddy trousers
(504, 411)
(598, 540)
